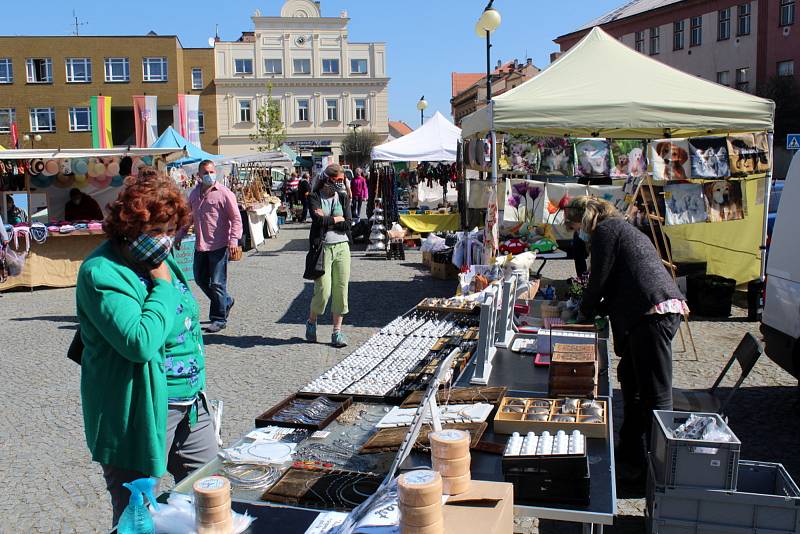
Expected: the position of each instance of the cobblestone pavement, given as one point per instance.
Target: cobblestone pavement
(52, 485)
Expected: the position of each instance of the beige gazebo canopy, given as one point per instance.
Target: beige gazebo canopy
(601, 87)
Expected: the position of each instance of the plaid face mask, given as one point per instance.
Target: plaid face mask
(151, 250)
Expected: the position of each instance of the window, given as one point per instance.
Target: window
(118, 69)
(7, 116)
(696, 26)
(79, 70)
(43, 120)
(361, 109)
(786, 68)
(787, 13)
(358, 66)
(273, 66)
(302, 109)
(6, 70)
(201, 121)
(40, 70)
(244, 111)
(639, 41)
(678, 28)
(197, 78)
(724, 24)
(154, 69)
(724, 78)
(741, 79)
(302, 66)
(332, 109)
(655, 40)
(743, 12)
(330, 66)
(80, 120)
(243, 66)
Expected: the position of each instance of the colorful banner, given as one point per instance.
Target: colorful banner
(186, 118)
(14, 135)
(145, 113)
(101, 121)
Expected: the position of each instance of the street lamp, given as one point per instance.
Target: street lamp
(489, 22)
(32, 138)
(422, 106)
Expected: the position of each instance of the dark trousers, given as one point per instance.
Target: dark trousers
(579, 254)
(211, 274)
(304, 202)
(645, 374)
(188, 449)
(357, 202)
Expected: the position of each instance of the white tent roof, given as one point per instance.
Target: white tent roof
(436, 140)
(602, 87)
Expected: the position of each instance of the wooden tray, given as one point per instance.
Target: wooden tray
(389, 439)
(426, 305)
(326, 489)
(508, 423)
(265, 419)
(468, 395)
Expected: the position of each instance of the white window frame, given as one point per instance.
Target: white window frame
(11, 113)
(724, 78)
(273, 62)
(69, 66)
(36, 127)
(744, 19)
(332, 117)
(359, 61)
(123, 62)
(789, 71)
(246, 109)
(73, 122)
(679, 34)
(197, 84)
(699, 34)
(30, 67)
(301, 109)
(638, 41)
(201, 121)
(330, 61)
(301, 61)
(787, 13)
(743, 82)
(242, 62)
(148, 63)
(655, 40)
(9, 68)
(356, 109)
(724, 24)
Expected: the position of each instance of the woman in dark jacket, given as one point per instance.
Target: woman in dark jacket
(629, 282)
(330, 225)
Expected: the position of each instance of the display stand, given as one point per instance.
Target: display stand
(505, 326)
(486, 338)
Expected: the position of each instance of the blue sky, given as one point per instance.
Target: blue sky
(426, 39)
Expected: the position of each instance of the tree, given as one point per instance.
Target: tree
(270, 132)
(784, 91)
(357, 147)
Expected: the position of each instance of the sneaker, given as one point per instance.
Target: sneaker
(311, 332)
(338, 340)
(215, 327)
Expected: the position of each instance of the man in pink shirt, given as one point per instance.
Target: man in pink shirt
(217, 229)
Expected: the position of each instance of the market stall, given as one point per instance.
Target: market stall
(37, 183)
(708, 133)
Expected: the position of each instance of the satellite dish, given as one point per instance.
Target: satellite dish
(211, 41)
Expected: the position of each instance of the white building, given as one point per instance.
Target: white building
(325, 84)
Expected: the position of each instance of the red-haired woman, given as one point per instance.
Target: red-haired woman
(143, 366)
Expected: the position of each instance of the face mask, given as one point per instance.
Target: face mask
(209, 178)
(151, 251)
(339, 186)
(583, 236)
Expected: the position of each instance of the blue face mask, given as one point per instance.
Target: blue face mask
(209, 178)
(583, 236)
(150, 250)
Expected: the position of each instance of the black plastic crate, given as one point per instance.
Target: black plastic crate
(550, 478)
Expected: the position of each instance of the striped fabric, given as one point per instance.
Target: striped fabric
(101, 121)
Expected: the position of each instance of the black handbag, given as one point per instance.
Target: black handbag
(75, 350)
(315, 262)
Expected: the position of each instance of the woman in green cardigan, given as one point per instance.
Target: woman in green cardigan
(143, 367)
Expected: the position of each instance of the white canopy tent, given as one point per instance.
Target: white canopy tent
(436, 140)
(603, 88)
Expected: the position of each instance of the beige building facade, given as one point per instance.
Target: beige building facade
(325, 84)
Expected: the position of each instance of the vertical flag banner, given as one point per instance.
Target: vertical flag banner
(177, 123)
(101, 121)
(186, 114)
(14, 135)
(145, 113)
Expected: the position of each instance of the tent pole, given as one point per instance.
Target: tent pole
(767, 188)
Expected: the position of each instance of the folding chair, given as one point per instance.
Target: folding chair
(691, 400)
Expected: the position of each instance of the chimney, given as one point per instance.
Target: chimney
(516, 62)
(499, 63)
(529, 61)
(554, 56)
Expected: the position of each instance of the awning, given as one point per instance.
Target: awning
(436, 140)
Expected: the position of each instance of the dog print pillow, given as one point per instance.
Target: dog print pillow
(725, 200)
(709, 156)
(592, 158)
(556, 156)
(670, 159)
(628, 158)
(748, 153)
(685, 204)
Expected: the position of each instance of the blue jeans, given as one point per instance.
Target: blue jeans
(211, 274)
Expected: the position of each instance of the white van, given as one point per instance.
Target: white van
(780, 323)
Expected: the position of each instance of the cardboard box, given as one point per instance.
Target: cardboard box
(487, 507)
(427, 258)
(444, 271)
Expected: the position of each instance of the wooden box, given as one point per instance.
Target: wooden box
(509, 419)
(427, 258)
(573, 371)
(266, 418)
(444, 271)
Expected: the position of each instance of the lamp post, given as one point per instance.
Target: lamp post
(422, 106)
(28, 137)
(489, 22)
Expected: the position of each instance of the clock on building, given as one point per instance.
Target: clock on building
(300, 40)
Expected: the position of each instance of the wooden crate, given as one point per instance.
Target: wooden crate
(444, 271)
(510, 422)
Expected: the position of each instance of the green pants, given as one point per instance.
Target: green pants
(334, 282)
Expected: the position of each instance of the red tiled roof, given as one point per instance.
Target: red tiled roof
(400, 127)
(464, 80)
